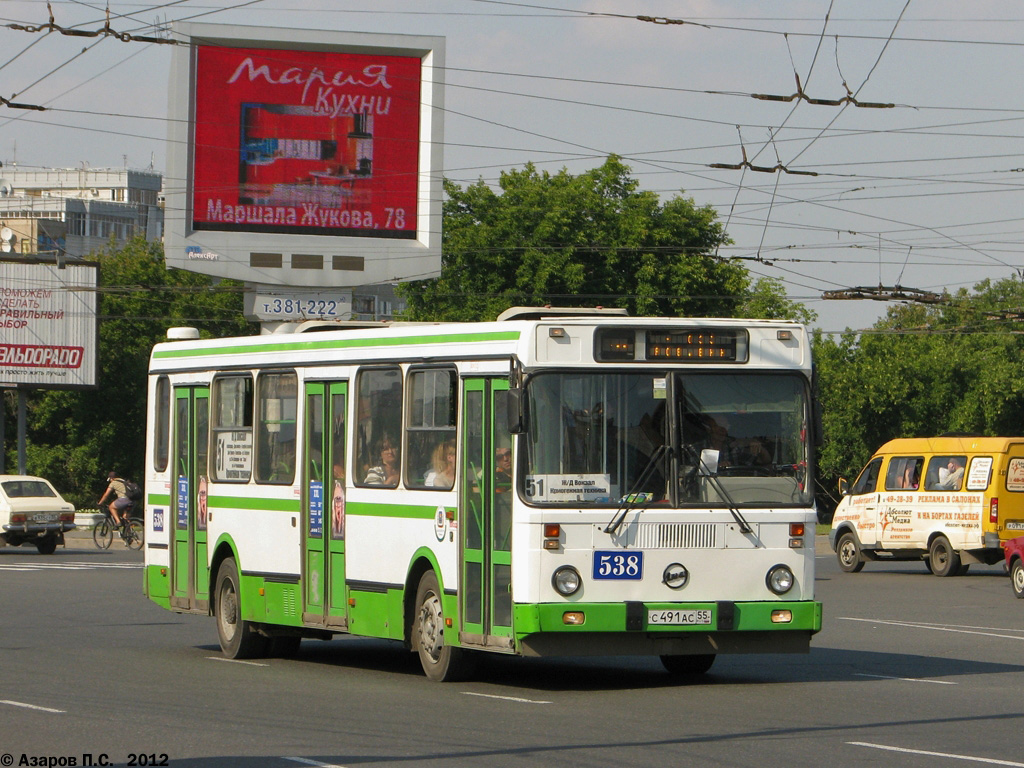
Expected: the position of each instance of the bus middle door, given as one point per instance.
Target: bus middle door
(190, 580)
(485, 516)
(323, 504)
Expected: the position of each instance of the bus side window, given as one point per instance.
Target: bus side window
(430, 432)
(379, 427)
(868, 478)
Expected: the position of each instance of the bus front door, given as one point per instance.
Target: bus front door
(485, 516)
(190, 580)
(323, 504)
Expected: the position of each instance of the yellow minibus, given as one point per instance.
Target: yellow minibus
(950, 501)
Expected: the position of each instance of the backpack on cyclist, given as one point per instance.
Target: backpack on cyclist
(132, 490)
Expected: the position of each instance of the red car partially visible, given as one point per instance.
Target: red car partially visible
(1015, 564)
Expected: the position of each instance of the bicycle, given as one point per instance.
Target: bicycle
(131, 529)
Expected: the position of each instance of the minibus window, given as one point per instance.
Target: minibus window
(868, 478)
(945, 473)
(904, 473)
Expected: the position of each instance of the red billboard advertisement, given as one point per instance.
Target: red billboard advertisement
(306, 142)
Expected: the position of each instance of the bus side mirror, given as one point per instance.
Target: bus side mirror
(844, 487)
(516, 417)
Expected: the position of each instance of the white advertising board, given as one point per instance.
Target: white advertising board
(47, 325)
(307, 158)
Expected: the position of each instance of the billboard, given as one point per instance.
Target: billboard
(305, 158)
(47, 325)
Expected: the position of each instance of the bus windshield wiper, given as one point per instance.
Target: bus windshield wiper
(717, 483)
(631, 496)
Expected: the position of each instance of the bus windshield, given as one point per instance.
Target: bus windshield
(731, 438)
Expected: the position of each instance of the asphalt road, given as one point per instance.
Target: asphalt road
(910, 670)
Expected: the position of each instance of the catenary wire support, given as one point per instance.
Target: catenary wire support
(104, 31)
(849, 98)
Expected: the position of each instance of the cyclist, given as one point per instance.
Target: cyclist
(121, 503)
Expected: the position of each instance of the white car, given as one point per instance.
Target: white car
(32, 512)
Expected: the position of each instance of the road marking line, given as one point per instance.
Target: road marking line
(237, 661)
(505, 698)
(306, 761)
(950, 755)
(935, 627)
(32, 706)
(906, 679)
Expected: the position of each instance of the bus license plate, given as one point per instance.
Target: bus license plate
(679, 617)
(619, 565)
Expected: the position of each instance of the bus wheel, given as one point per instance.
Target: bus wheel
(46, 545)
(945, 561)
(684, 666)
(1017, 578)
(238, 638)
(441, 663)
(848, 554)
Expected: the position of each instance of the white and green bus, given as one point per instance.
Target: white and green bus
(557, 482)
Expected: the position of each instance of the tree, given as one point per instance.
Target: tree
(767, 300)
(922, 371)
(78, 436)
(586, 240)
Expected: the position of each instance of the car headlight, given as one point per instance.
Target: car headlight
(566, 580)
(780, 579)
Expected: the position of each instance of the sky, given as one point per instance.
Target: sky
(912, 179)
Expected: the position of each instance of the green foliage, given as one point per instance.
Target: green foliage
(586, 240)
(953, 367)
(767, 300)
(76, 437)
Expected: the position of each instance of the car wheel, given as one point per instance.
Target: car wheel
(1017, 578)
(46, 545)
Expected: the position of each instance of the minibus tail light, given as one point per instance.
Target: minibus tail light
(993, 510)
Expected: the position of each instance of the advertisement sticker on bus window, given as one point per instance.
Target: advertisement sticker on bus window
(981, 472)
(542, 488)
(316, 508)
(234, 455)
(1014, 474)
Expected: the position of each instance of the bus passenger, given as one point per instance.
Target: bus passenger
(443, 473)
(951, 474)
(385, 473)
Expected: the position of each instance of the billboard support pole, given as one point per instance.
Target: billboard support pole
(22, 398)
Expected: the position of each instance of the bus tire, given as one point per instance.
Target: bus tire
(944, 559)
(848, 553)
(1017, 578)
(238, 637)
(46, 545)
(687, 666)
(441, 663)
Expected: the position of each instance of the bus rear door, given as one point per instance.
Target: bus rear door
(190, 580)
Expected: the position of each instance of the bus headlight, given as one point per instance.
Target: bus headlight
(566, 580)
(780, 579)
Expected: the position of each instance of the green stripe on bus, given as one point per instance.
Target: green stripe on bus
(244, 502)
(611, 617)
(404, 511)
(305, 346)
(158, 499)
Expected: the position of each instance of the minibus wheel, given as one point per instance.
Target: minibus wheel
(848, 553)
(944, 559)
